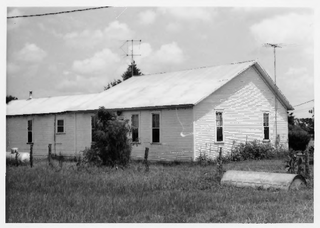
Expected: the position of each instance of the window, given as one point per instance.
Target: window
(219, 126)
(266, 126)
(155, 128)
(135, 127)
(60, 126)
(29, 129)
(93, 127)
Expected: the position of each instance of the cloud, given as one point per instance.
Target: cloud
(153, 61)
(293, 28)
(12, 68)
(173, 27)
(188, 13)
(147, 17)
(99, 63)
(114, 32)
(298, 84)
(31, 53)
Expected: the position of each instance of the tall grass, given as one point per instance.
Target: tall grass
(177, 193)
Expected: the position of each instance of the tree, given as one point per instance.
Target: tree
(10, 98)
(128, 74)
(111, 144)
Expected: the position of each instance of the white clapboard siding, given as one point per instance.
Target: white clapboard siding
(243, 101)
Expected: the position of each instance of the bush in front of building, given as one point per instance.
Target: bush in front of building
(253, 150)
(298, 139)
(111, 145)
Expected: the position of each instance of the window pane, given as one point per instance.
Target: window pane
(155, 135)
(135, 121)
(219, 134)
(219, 119)
(155, 120)
(29, 136)
(29, 125)
(60, 129)
(266, 132)
(265, 119)
(60, 122)
(135, 135)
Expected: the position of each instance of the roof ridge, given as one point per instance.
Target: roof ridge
(195, 68)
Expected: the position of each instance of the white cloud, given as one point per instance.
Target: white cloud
(97, 64)
(297, 84)
(147, 17)
(31, 53)
(114, 32)
(188, 13)
(173, 27)
(12, 68)
(169, 53)
(296, 29)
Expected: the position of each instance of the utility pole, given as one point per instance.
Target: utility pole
(274, 46)
(132, 53)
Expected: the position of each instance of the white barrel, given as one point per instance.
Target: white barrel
(263, 180)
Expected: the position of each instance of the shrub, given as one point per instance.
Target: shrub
(298, 139)
(252, 150)
(111, 143)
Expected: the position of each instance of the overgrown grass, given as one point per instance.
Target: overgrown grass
(167, 193)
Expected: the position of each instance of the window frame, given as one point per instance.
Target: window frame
(139, 124)
(92, 127)
(263, 127)
(156, 113)
(57, 126)
(222, 126)
(29, 131)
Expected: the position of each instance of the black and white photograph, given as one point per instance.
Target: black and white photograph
(175, 112)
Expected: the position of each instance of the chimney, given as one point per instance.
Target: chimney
(30, 95)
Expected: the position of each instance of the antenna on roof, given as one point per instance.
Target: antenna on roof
(274, 46)
(132, 53)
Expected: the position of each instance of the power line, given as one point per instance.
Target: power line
(303, 103)
(61, 12)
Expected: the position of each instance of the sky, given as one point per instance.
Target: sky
(81, 52)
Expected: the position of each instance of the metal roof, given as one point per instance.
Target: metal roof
(181, 88)
(46, 105)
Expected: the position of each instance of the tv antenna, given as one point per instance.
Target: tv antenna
(132, 53)
(275, 46)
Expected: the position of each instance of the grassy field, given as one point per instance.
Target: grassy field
(167, 193)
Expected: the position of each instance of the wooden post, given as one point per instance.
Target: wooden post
(31, 155)
(306, 160)
(49, 153)
(146, 154)
(219, 163)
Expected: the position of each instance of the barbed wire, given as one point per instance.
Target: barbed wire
(55, 13)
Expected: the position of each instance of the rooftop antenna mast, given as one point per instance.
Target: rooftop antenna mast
(275, 46)
(132, 53)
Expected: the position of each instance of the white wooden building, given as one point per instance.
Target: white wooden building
(177, 115)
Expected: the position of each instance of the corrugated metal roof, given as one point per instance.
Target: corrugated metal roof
(188, 87)
(46, 105)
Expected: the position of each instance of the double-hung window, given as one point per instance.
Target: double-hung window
(155, 127)
(93, 127)
(60, 126)
(266, 126)
(29, 129)
(135, 128)
(219, 126)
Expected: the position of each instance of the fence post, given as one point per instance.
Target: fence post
(31, 155)
(219, 163)
(49, 153)
(306, 160)
(146, 154)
